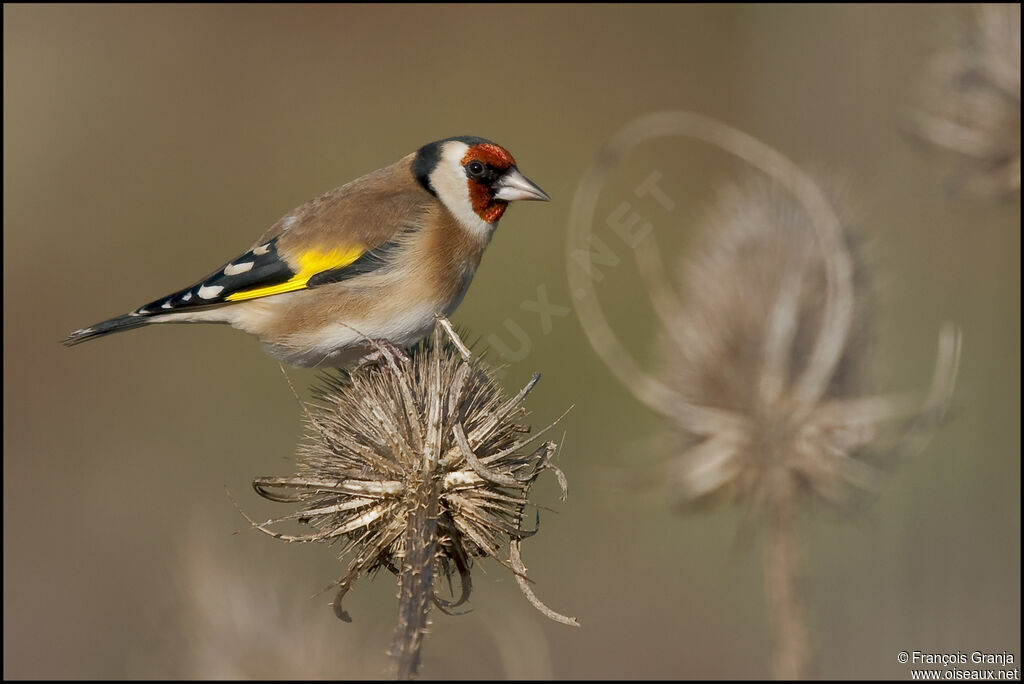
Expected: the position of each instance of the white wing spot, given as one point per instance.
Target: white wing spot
(235, 269)
(188, 296)
(210, 291)
(142, 312)
(262, 249)
(166, 305)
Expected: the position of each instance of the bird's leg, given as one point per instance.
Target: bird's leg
(382, 350)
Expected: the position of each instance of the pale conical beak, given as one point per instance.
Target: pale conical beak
(515, 186)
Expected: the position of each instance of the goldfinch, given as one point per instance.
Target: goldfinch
(376, 259)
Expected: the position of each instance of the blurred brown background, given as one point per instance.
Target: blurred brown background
(145, 145)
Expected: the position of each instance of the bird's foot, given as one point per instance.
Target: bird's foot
(383, 351)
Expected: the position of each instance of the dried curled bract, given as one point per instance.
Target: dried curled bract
(434, 433)
(971, 100)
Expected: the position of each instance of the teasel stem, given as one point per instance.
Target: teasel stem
(417, 578)
(782, 576)
(416, 587)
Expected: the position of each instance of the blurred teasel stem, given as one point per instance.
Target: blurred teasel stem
(782, 581)
(418, 466)
(764, 353)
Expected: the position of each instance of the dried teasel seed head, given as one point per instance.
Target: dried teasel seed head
(971, 100)
(434, 432)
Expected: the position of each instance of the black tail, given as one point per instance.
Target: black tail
(126, 322)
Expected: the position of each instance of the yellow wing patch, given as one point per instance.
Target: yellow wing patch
(311, 262)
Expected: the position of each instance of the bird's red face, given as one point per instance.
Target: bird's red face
(485, 164)
(494, 181)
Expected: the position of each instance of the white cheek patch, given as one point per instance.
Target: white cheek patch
(452, 187)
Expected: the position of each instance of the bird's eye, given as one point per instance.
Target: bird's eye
(475, 168)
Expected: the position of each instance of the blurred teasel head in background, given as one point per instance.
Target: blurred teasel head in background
(762, 370)
(766, 350)
(763, 365)
(970, 100)
(751, 310)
